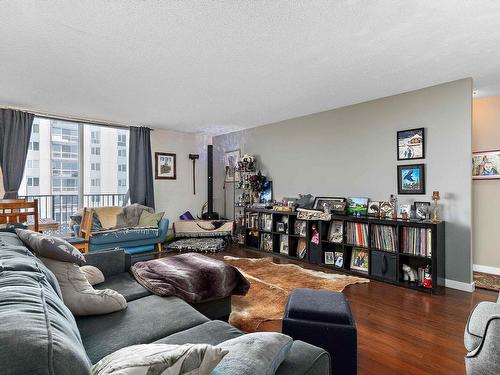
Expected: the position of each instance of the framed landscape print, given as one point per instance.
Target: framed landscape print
(357, 206)
(486, 165)
(411, 179)
(411, 144)
(230, 160)
(165, 166)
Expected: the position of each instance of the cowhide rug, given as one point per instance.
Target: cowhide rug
(270, 285)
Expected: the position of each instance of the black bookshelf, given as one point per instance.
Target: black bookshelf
(384, 265)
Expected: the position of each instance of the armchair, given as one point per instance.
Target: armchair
(482, 339)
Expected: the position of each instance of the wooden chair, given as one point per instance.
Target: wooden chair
(82, 243)
(14, 211)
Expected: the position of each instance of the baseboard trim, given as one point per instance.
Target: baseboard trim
(486, 269)
(466, 287)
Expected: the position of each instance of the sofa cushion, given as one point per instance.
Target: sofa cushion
(108, 216)
(258, 353)
(122, 235)
(50, 247)
(212, 332)
(199, 359)
(144, 321)
(124, 284)
(37, 331)
(148, 219)
(215, 309)
(78, 295)
(477, 322)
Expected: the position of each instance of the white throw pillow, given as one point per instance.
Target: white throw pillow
(93, 274)
(161, 359)
(78, 295)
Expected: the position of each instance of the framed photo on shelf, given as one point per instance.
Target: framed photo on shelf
(336, 233)
(165, 166)
(411, 179)
(357, 206)
(373, 208)
(411, 144)
(404, 208)
(385, 209)
(329, 257)
(331, 204)
(339, 259)
(422, 210)
(359, 260)
(486, 165)
(300, 228)
(230, 160)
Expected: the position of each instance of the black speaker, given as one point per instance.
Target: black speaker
(210, 214)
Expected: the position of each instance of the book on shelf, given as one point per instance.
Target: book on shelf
(266, 222)
(284, 244)
(301, 248)
(300, 228)
(266, 242)
(357, 234)
(384, 237)
(336, 232)
(416, 241)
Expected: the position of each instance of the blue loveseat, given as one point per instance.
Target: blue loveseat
(127, 234)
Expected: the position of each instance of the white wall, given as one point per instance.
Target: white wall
(486, 193)
(351, 151)
(176, 196)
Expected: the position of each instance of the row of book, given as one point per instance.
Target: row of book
(416, 241)
(357, 234)
(384, 237)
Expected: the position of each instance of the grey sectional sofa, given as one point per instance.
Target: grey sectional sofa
(38, 334)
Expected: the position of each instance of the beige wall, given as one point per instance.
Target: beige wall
(486, 193)
(351, 151)
(176, 196)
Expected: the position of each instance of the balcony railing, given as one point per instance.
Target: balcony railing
(61, 207)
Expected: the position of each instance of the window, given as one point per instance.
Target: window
(95, 136)
(34, 146)
(122, 140)
(33, 181)
(54, 163)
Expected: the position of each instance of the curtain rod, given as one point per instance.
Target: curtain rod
(58, 116)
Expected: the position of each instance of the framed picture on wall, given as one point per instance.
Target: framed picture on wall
(411, 144)
(230, 160)
(486, 165)
(165, 166)
(411, 179)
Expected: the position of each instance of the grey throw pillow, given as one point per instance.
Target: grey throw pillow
(50, 247)
(259, 353)
(149, 359)
(93, 274)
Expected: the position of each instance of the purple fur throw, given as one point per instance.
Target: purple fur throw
(192, 277)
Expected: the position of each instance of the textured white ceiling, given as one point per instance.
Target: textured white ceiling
(219, 66)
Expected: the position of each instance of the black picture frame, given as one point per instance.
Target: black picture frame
(331, 199)
(401, 133)
(401, 187)
(415, 204)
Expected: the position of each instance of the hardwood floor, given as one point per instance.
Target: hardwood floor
(401, 331)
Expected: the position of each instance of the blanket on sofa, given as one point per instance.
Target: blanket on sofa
(192, 277)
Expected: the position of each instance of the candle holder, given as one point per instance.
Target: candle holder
(435, 207)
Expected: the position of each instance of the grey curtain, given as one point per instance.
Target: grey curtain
(15, 132)
(140, 167)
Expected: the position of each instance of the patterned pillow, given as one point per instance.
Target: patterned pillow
(50, 247)
(153, 359)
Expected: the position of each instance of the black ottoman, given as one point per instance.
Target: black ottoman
(324, 319)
